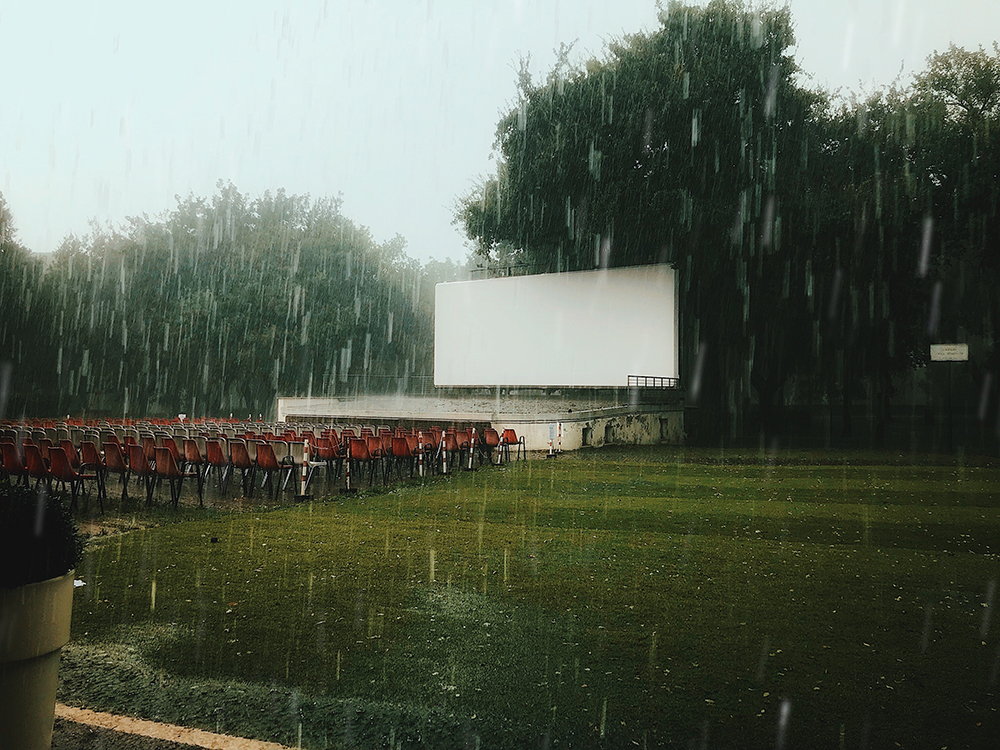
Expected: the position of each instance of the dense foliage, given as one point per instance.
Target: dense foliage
(821, 246)
(38, 538)
(213, 309)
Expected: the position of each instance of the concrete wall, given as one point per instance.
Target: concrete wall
(648, 428)
(623, 425)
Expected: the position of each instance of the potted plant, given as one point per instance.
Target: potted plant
(39, 549)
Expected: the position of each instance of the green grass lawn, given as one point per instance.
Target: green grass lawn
(615, 598)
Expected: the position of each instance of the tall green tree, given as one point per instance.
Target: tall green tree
(226, 302)
(687, 145)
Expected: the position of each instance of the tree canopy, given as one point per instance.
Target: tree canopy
(216, 307)
(820, 244)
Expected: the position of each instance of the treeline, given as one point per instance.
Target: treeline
(821, 244)
(213, 309)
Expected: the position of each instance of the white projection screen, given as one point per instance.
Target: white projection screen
(582, 329)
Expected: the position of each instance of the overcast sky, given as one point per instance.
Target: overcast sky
(110, 109)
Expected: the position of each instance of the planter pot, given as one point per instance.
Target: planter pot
(34, 626)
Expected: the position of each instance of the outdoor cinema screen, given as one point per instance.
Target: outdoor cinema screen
(585, 329)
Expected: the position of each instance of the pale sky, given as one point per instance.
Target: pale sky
(110, 109)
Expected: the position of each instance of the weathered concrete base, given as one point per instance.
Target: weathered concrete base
(593, 429)
(585, 421)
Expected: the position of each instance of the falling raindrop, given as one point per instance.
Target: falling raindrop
(784, 715)
(984, 397)
(935, 309)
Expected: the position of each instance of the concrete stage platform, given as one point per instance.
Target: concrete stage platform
(588, 418)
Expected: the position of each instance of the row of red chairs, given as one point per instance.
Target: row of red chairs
(156, 457)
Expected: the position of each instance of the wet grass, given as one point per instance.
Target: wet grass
(609, 598)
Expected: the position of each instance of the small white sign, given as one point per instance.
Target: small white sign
(949, 352)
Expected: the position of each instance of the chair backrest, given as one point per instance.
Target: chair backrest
(114, 458)
(89, 455)
(323, 448)
(251, 446)
(367, 431)
(137, 461)
(61, 469)
(171, 445)
(149, 447)
(191, 453)
(165, 465)
(74, 458)
(12, 459)
(413, 442)
(240, 454)
(401, 448)
(463, 439)
(216, 452)
(357, 449)
(509, 437)
(297, 451)
(34, 462)
(450, 442)
(266, 457)
(280, 448)
(44, 444)
(374, 445)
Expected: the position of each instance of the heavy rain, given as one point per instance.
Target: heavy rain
(391, 375)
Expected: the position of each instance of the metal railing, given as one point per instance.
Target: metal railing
(653, 381)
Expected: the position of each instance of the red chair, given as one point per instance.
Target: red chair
(70, 450)
(346, 436)
(241, 459)
(509, 438)
(267, 462)
(464, 440)
(328, 450)
(44, 445)
(141, 468)
(403, 452)
(37, 468)
(385, 438)
(116, 463)
(490, 441)
(360, 456)
(216, 458)
(63, 472)
(167, 468)
(375, 451)
(148, 443)
(90, 460)
(168, 442)
(451, 451)
(13, 464)
(192, 455)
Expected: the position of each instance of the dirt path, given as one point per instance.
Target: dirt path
(164, 735)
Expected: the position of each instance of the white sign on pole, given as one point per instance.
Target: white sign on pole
(949, 352)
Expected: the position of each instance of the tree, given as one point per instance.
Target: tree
(222, 304)
(687, 145)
